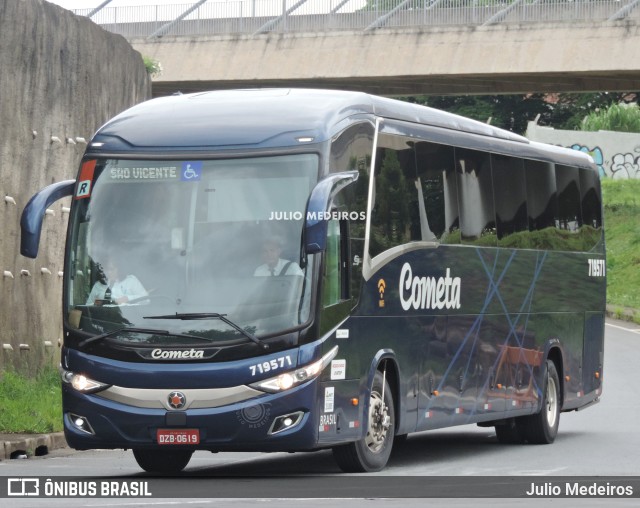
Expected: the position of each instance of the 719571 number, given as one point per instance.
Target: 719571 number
(597, 268)
(275, 364)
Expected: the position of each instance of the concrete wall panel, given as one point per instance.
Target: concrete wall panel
(617, 154)
(61, 77)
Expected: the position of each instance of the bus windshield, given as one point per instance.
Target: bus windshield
(155, 241)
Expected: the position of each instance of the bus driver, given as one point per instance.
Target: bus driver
(111, 289)
(273, 263)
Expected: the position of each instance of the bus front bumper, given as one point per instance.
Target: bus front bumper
(268, 422)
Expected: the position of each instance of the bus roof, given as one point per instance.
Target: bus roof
(267, 118)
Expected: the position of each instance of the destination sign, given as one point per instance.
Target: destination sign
(144, 173)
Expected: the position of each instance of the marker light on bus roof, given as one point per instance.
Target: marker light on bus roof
(290, 379)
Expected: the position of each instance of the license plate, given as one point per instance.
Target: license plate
(178, 436)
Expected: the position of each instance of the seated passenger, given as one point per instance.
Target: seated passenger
(273, 263)
(112, 289)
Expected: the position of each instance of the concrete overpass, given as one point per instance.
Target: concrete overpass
(441, 61)
(417, 47)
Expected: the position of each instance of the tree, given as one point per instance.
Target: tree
(512, 112)
(570, 109)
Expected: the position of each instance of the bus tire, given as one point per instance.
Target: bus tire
(510, 432)
(162, 461)
(372, 452)
(542, 427)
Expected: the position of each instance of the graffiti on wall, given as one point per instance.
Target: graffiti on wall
(621, 165)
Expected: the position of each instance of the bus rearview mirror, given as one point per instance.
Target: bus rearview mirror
(318, 213)
(33, 214)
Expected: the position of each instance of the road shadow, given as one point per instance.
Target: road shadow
(427, 449)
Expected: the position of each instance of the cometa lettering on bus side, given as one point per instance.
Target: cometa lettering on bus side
(429, 292)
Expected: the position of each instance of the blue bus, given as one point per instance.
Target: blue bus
(295, 270)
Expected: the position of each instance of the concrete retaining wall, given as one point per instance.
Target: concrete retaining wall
(61, 77)
(617, 154)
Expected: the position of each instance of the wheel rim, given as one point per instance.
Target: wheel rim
(379, 423)
(552, 402)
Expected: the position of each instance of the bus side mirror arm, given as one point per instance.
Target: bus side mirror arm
(316, 216)
(33, 214)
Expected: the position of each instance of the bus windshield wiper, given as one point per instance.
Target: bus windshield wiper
(150, 331)
(212, 315)
(97, 338)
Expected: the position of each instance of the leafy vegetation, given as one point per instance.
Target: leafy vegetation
(154, 67)
(621, 211)
(512, 112)
(35, 403)
(617, 117)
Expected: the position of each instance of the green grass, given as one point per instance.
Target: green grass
(622, 225)
(31, 405)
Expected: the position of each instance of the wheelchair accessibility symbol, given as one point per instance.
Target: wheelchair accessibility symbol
(191, 171)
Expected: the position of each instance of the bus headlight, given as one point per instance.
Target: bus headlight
(81, 383)
(290, 379)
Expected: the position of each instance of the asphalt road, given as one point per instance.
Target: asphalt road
(603, 440)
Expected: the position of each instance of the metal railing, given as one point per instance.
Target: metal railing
(216, 17)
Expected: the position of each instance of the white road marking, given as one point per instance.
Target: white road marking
(632, 330)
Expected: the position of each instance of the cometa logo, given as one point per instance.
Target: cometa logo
(428, 292)
(172, 354)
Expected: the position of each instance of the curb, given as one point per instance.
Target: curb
(622, 313)
(30, 445)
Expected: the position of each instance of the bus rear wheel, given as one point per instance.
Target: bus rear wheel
(372, 452)
(542, 427)
(162, 461)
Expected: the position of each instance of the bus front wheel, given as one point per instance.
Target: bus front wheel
(372, 452)
(162, 461)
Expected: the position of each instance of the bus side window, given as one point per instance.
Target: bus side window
(392, 212)
(335, 278)
(569, 209)
(542, 199)
(351, 151)
(542, 202)
(475, 193)
(510, 201)
(438, 214)
(591, 209)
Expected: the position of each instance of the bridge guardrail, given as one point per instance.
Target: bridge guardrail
(219, 17)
